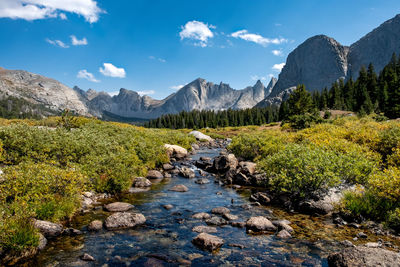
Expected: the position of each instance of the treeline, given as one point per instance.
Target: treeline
(18, 108)
(370, 93)
(200, 119)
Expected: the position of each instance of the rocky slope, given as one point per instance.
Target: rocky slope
(198, 94)
(41, 90)
(320, 60)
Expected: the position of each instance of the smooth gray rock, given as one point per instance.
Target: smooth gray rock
(154, 174)
(95, 225)
(220, 210)
(118, 207)
(204, 229)
(363, 256)
(201, 216)
(260, 224)
(121, 220)
(48, 229)
(141, 182)
(208, 242)
(200, 136)
(187, 172)
(179, 188)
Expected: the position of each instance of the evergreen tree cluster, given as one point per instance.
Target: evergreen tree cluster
(207, 118)
(18, 108)
(368, 94)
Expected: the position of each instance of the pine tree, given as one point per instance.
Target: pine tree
(300, 101)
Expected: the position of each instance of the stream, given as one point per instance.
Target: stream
(165, 238)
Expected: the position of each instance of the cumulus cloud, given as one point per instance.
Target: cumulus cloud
(278, 67)
(43, 9)
(277, 52)
(176, 87)
(256, 38)
(57, 43)
(112, 71)
(84, 74)
(148, 92)
(198, 31)
(76, 41)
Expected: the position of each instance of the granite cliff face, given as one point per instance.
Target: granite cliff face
(376, 47)
(317, 62)
(320, 60)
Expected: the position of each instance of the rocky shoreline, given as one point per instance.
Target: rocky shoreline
(228, 171)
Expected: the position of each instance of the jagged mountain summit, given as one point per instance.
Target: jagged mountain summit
(321, 60)
(199, 94)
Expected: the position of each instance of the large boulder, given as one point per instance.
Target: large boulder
(121, 220)
(364, 256)
(174, 151)
(154, 174)
(118, 207)
(208, 242)
(48, 229)
(141, 182)
(200, 136)
(260, 224)
(224, 163)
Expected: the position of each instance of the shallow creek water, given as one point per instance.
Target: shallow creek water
(165, 239)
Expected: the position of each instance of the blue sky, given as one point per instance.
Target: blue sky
(155, 46)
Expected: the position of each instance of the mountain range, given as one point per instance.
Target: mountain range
(317, 63)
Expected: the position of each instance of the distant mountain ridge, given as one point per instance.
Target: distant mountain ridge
(199, 94)
(320, 60)
(317, 62)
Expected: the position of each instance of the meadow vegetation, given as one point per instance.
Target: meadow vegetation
(346, 150)
(47, 164)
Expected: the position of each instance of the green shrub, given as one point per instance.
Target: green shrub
(301, 170)
(304, 121)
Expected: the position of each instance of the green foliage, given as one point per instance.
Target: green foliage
(48, 168)
(300, 101)
(304, 120)
(300, 170)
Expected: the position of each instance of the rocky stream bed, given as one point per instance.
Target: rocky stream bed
(187, 216)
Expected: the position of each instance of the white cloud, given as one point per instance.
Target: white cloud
(256, 38)
(111, 71)
(256, 78)
(277, 52)
(42, 9)
(148, 92)
(63, 16)
(176, 87)
(57, 43)
(84, 74)
(278, 67)
(159, 59)
(198, 31)
(76, 41)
